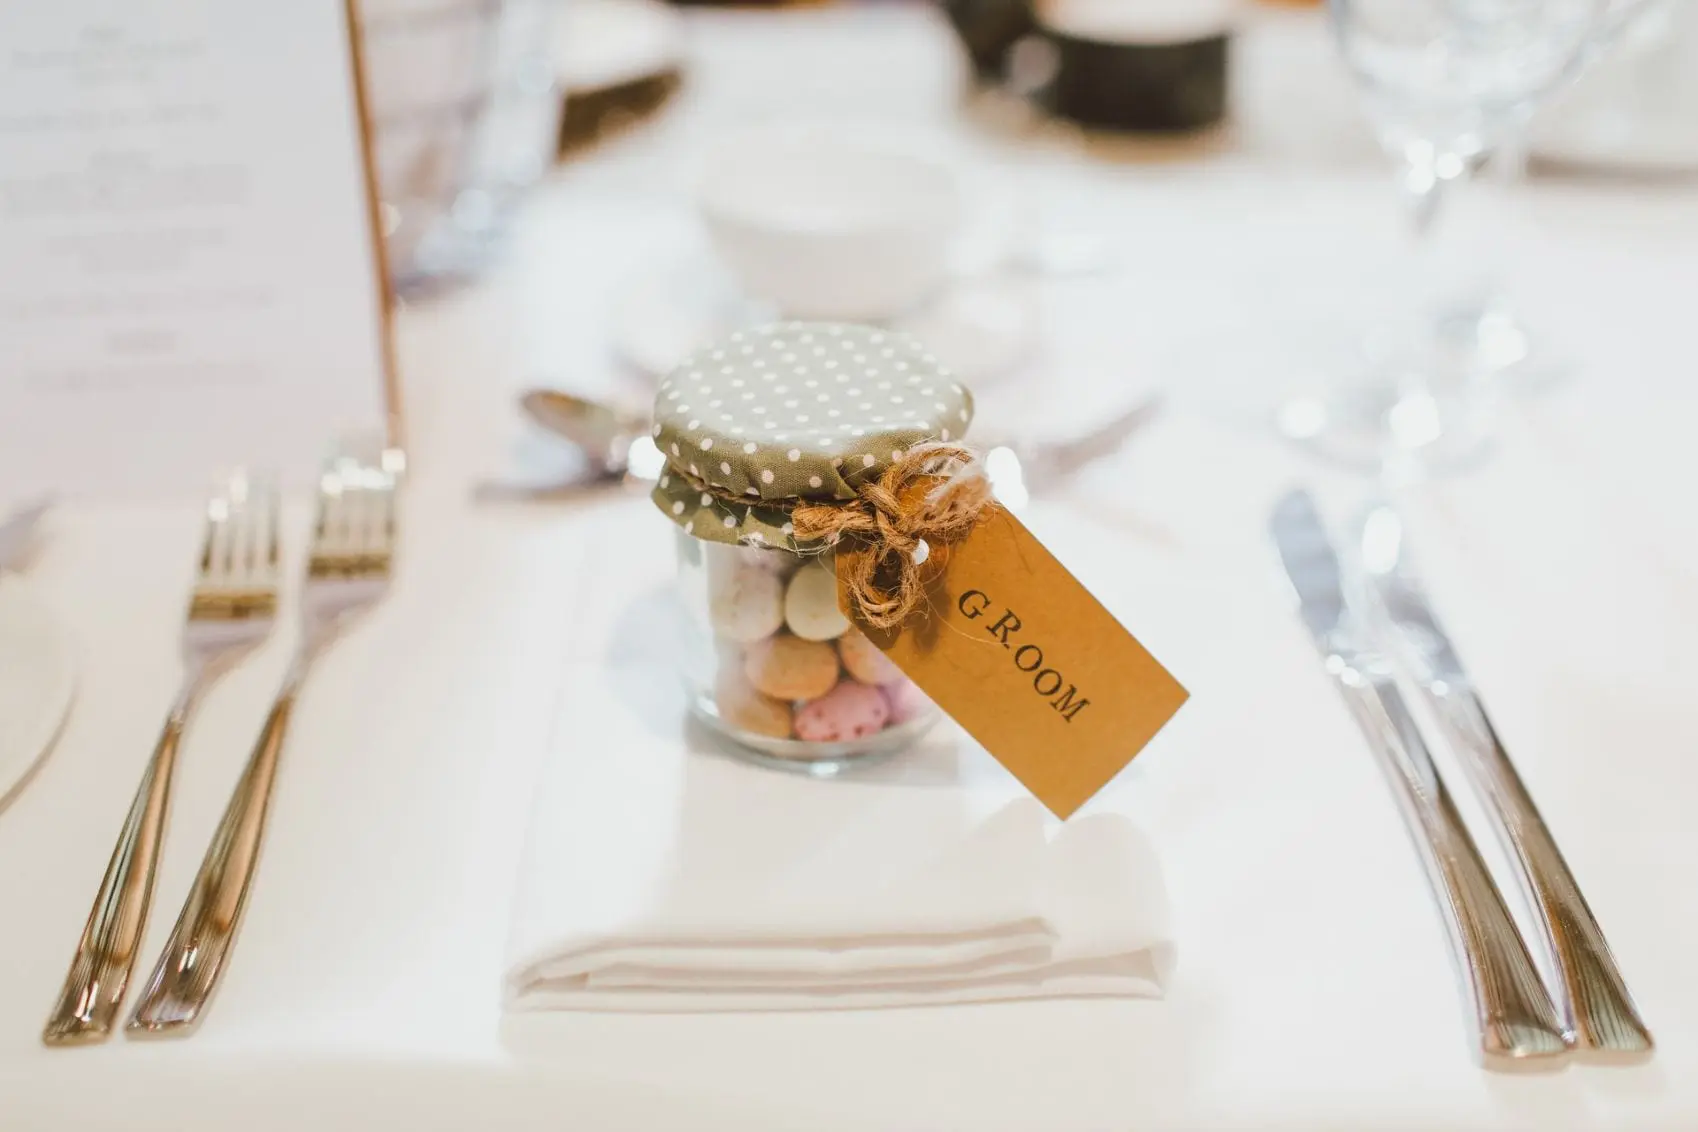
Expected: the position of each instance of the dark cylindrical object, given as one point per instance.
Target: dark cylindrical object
(988, 28)
(1110, 77)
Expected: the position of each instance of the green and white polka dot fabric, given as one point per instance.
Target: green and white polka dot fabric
(795, 410)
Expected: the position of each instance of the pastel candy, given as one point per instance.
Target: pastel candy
(810, 605)
(849, 711)
(779, 562)
(790, 668)
(906, 701)
(745, 604)
(865, 661)
(744, 709)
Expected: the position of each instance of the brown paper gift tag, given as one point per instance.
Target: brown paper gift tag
(1031, 665)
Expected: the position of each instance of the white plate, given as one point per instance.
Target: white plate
(37, 680)
(980, 328)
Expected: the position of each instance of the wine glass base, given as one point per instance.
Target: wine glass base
(1500, 343)
(1386, 431)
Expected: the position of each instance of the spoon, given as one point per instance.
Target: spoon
(618, 444)
(613, 440)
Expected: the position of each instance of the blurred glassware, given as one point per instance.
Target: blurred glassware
(1634, 103)
(1444, 82)
(464, 120)
(1636, 107)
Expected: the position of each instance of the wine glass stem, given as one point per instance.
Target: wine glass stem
(1423, 194)
(1437, 411)
(1509, 158)
(1496, 334)
(1425, 198)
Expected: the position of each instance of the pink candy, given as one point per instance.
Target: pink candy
(905, 700)
(848, 711)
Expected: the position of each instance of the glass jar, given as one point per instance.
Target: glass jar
(752, 428)
(774, 666)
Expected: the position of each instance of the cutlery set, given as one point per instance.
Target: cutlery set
(1364, 606)
(232, 610)
(1378, 635)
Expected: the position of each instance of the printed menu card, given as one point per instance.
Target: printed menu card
(190, 276)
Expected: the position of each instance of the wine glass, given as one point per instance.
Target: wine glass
(1486, 322)
(1444, 82)
(464, 117)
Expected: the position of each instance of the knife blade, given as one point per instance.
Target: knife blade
(1515, 1021)
(17, 529)
(1594, 998)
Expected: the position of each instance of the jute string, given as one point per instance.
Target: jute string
(885, 535)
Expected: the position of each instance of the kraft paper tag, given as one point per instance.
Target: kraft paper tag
(1031, 665)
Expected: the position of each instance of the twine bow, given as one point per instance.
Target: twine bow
(891, 527)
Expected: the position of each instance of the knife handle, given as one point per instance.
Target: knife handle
(1604, 1016)
(1515, 1020)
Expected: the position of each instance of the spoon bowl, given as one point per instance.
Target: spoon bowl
(608, 437)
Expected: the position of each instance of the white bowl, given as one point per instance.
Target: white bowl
(828, 225)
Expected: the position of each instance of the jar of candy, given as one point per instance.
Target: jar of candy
(752, 428)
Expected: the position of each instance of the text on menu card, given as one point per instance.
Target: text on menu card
(189, 276)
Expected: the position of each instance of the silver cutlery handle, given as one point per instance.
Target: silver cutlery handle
(100, 970)
(1604, 1014)
(1514, 1017)
(189, 968)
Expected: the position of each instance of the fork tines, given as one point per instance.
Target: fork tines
(239, 568)
(354, 535)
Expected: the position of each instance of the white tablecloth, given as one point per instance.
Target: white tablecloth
(1314, 989)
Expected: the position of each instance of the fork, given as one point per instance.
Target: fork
(347, 572)
(231, 611)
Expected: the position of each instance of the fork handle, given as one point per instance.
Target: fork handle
(100, 970)
(1515, 1020)
(194, 956)
(1605, 1017)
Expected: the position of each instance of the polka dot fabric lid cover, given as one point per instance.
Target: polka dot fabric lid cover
(796, 410)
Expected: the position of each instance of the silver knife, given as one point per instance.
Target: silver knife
(1595, 998)
(16, 531)
(1515, 1020)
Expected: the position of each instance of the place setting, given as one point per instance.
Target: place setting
(812, 650)
(234, 605)
(795, 667)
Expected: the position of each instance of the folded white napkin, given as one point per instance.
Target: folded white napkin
(662, 876)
